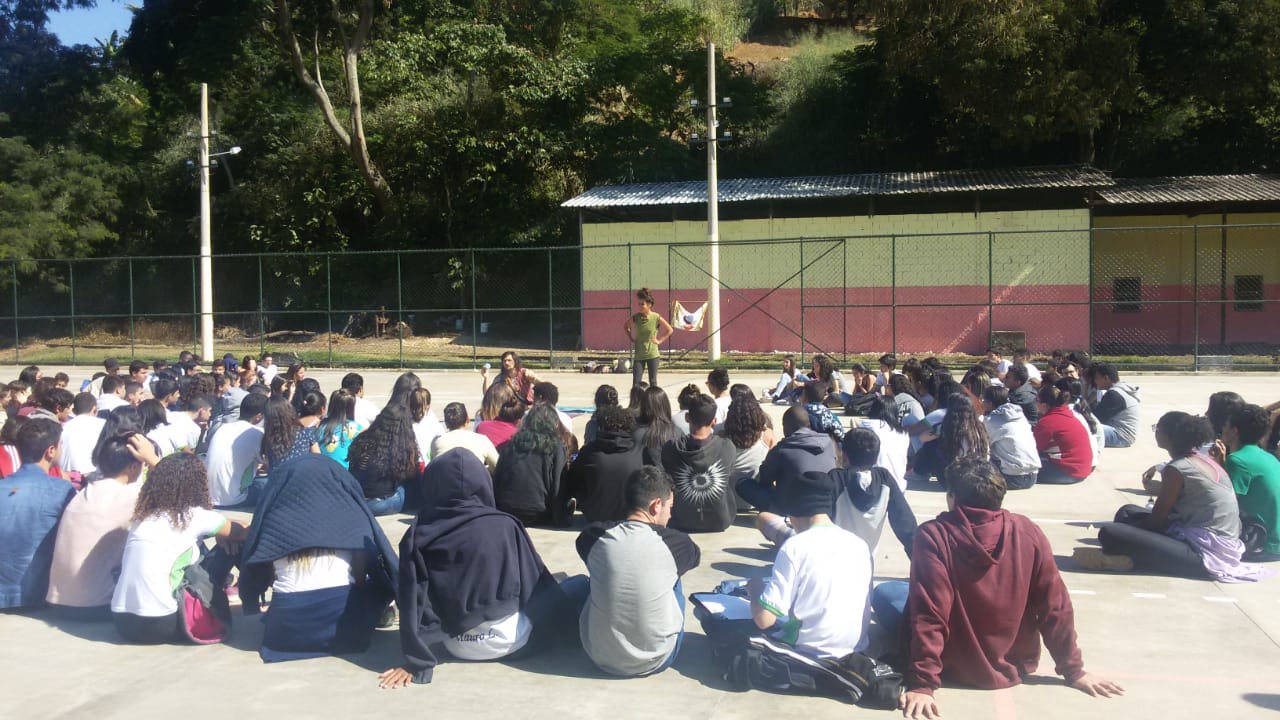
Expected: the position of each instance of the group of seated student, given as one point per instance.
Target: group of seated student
(1216, 505)
(470, 585)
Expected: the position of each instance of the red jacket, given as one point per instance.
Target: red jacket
(1061, 438)
(984, 590)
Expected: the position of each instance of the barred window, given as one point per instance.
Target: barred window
(1248, 293)
(1126, 294)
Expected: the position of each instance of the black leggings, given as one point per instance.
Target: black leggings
(141, 630)
(1150, 550)
(637, 369)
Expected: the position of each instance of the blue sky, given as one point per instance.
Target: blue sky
(75, 27)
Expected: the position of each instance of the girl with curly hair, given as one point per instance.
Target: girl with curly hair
(384, 458)
(172, 517)
(749, 429)
(646, 330)
(527, 481)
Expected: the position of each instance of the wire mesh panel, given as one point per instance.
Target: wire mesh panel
(1040, 289)
(868, 293)
(365, 324)
(606, 278)
(564, 331)
(1239, 275)
(942, 293)
(163, 295)
(823, 297)
(1138, 294)
(1143, 293)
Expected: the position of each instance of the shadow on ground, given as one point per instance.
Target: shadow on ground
(1263, 700)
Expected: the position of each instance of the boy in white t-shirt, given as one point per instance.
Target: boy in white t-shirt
(1022, 356)
(816, 600)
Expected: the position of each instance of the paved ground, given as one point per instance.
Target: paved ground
(1183, 649)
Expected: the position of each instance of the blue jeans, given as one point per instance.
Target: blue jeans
(577, 589)
(671, 659)
(1051, 473)
(1113, 438)
(388, 505)
(889, 602)
(1015, 482)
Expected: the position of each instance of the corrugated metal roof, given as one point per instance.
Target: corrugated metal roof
(694, 192)
(1193, 189)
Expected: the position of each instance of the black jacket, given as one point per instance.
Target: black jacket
(311, 502)
(800, 452)
(1025, 398)
(702, 471)
(527, 484)
(462, 562)
(599, 475)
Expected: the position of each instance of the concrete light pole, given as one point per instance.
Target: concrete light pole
(713, 213)
(206, 234)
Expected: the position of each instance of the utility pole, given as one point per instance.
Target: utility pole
(206, 239)
(713, 213)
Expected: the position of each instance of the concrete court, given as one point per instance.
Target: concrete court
(1181, 648)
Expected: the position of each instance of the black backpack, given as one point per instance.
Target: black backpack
(766, 664)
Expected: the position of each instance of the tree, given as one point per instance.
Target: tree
(1176, 86)
(351, 28)
(1032, 71)
(56, 204)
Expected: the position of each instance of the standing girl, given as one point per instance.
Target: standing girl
(646, 330)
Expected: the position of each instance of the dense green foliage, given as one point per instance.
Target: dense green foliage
(482, 116)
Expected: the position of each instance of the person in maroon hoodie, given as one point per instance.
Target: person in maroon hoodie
(1066, 457)
(984, 591)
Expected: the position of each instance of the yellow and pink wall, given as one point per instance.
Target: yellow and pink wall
(1177, 261)
(951, 276)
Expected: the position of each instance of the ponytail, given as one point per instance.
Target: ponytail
(1054, 396)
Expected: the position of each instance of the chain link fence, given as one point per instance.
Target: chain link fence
(1192, 297)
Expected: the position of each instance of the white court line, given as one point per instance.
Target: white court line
(1220, 599)
(1081, 592)
(1151, 596)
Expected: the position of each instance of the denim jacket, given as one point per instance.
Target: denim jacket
(31, 503)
